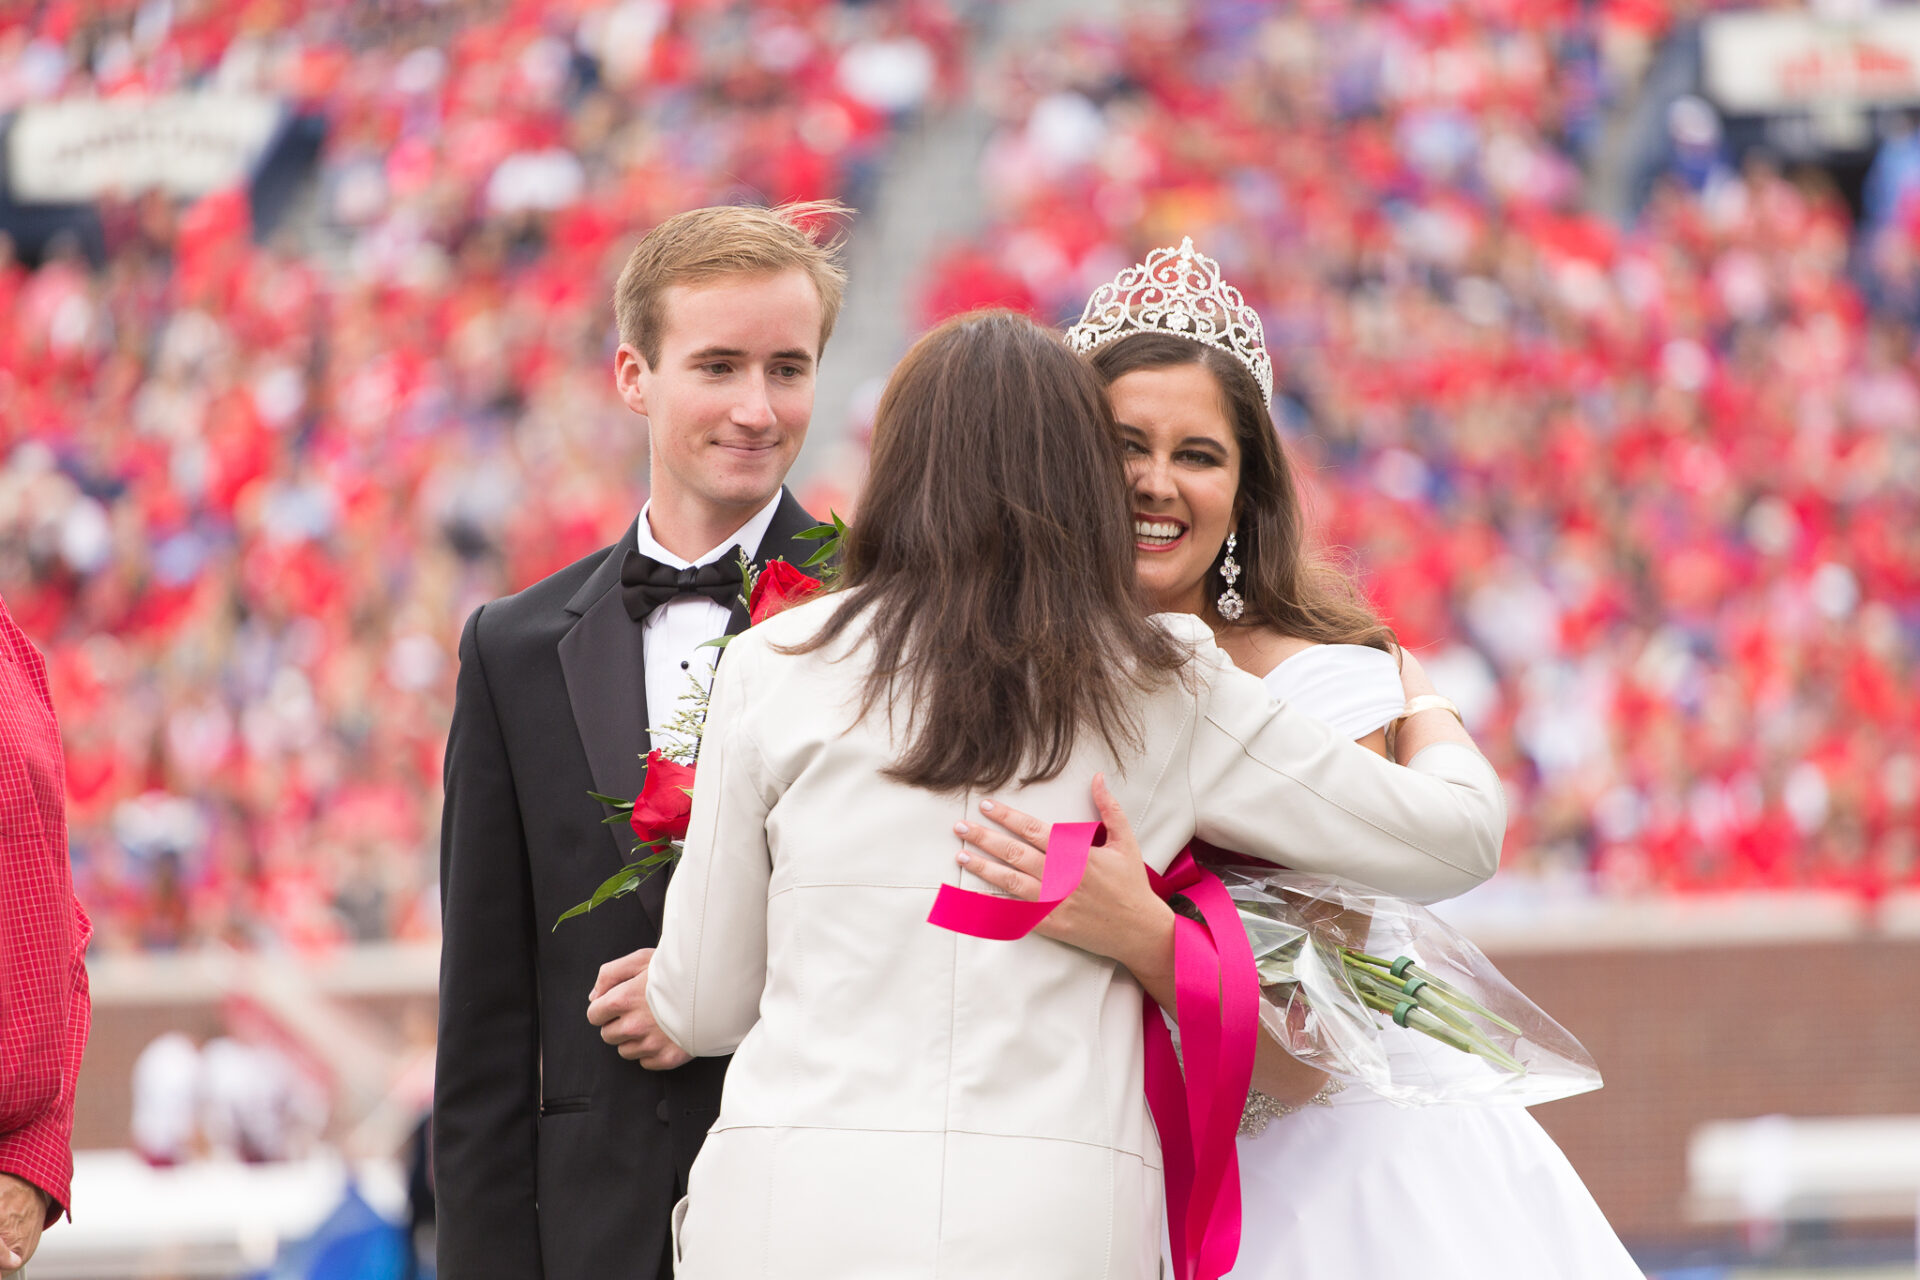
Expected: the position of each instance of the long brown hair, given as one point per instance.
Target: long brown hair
(994, 555)
(1287, 584)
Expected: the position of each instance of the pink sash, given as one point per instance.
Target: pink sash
(1217, 997)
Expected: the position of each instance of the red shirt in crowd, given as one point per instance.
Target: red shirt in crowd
(44, 1012)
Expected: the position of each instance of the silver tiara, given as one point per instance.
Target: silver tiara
(1177, 291)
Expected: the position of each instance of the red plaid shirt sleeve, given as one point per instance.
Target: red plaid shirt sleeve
(44, 1012)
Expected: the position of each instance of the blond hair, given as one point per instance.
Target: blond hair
(701, 244)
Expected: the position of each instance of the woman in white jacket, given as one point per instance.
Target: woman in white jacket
(905, 1101)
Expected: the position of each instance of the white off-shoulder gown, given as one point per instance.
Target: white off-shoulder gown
(1365, 1190)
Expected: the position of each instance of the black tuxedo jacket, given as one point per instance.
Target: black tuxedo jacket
(554, 1156)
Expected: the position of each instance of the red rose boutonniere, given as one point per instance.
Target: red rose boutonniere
(779, 587)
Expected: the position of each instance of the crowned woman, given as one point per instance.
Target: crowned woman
(1350, 1186)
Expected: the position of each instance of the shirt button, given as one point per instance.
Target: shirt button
(663, 1112)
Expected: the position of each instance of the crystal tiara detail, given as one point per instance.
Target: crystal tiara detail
(1177, 291)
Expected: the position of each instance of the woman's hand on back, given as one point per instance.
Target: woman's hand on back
(1113, 913)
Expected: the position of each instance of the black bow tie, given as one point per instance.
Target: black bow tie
(646, 584)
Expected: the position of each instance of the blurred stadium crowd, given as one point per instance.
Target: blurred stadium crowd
(248, 491)
(1652, 494)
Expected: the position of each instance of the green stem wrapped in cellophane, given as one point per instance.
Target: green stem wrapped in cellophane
(1414, 999)
(1409, 972)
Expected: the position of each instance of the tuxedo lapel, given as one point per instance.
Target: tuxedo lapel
(604, 663)
(779, 543)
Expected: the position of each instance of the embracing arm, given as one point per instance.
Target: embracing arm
(1114, 913)
(1272, 782)
(1424, 729)
(486, 1097)
(706, 976)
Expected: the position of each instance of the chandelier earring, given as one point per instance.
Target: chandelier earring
(1230, 605)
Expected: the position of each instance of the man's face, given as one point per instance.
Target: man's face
(727, 405)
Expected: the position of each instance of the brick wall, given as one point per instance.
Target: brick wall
(103, 1111)
(1686, 1036)
(1682, 1036)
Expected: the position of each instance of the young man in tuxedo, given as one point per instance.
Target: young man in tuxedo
(554, 1153)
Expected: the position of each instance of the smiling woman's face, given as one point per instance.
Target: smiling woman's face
(1183, 464)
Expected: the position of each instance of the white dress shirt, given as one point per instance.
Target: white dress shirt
(673, 633)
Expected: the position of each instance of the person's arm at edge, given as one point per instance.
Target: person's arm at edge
(487, 1072)
(36, 1106)
(41, 1151)
(38, 1154)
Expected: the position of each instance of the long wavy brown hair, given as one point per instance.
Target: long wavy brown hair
(1288, 585)
(993, 557)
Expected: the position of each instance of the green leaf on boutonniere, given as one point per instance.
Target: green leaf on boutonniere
(622, 809)
(830, 536)
(625, 880)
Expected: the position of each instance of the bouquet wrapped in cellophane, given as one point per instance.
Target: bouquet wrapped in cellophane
(1381, 993)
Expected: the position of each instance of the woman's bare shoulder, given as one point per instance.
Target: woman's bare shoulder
(1258, 650)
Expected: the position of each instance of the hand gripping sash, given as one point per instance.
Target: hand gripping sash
(1217, 1002)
